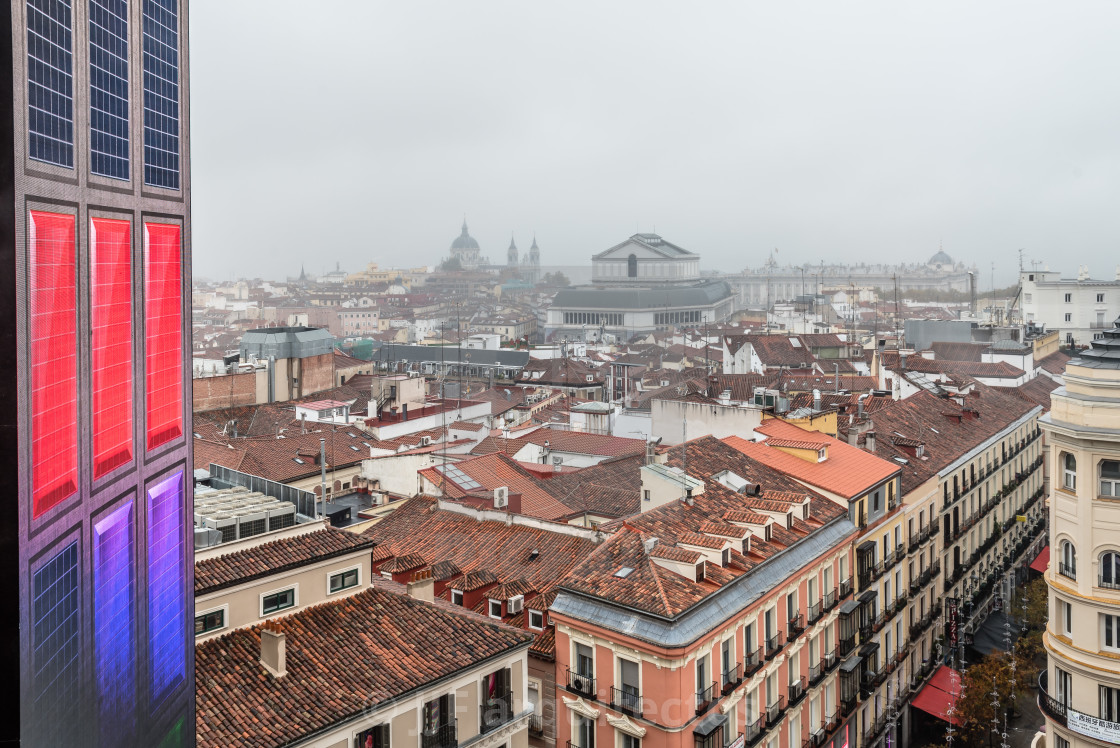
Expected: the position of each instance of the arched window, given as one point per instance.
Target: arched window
(1069, 471)
(632, 266)
(1109, 575)
(1067, 566)
(1110, 478)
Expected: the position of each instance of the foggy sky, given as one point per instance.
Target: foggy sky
(363, 131)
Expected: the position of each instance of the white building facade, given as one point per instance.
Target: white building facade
(1080, 309)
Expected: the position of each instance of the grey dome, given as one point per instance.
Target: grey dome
(941, 259)
(464, 240)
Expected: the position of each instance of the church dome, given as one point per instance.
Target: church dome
(464, 240)
(941, 258)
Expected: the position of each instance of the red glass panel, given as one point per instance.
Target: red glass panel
(53, 347)
(164, 333)
(111, 323)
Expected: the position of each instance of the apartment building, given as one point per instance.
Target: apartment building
(873, 637)
(1079, 693)
(710, 618)
(1080, 309)
(300, 644)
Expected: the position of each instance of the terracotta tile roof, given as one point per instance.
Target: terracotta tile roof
(507, 590)
(991, 370)
(494, 471)
(476, 580)
(1055, 363)
(442, 570)
(847, 471)
(948, 351)
(393, 646)
(274, 557)
(407, 562)
(796, 443)
(724, 530)
(1036, 391)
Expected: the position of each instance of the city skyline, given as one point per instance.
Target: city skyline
(824, 131)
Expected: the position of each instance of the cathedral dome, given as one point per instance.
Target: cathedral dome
(464, 240)
(941, 258)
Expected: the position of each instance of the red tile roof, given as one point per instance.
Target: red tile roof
(274, 557)
(847, 471)
(393, 645)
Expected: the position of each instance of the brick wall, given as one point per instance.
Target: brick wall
(224, 391)
(318, 373)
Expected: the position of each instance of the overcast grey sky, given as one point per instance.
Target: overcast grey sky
(363, 131)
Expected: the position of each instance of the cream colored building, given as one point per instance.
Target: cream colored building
(1080, 691)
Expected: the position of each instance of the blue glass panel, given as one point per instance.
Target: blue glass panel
(114, 587)
(108, 88)
(161, 93)
(56, 690)
(167, 603)
(50, 82)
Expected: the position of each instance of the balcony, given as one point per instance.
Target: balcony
(774, 645)
(753, 731)
(846, 645)
(495, 712)
(731, 678)
(830, 600)
(704, 699)
(445, 736)
(845, 588)
(1113, 585)
(581, 684)
(831, 660)
(796, 626)
(815, 739)
(1067, 570)
(816, 673)
(626, 700)
(796, 692)
(848, 704)
(774, 711)
(1047, 704)
(815, 612)
(536, 725)
(752, 663)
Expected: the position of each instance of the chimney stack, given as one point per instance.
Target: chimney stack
(869, 441)
(422, 586)
(274, 649)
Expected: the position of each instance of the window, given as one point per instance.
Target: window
(108, 87)
(1027, 298)
(1069, 471)
(1110, 632)
(167, 604)
(1067, 567)
(1109, 572)
(374, 737)
(343, 580)
(585, 664)
(113, 592)
(161, 93)
(438, 720)
(631, 272)
(1069, 298)
(53, 344)
(1100, 298)
(111, 343)
(456, 597)
(645, 494)
(1110, 703)
(50, 82)
(495, 608)
(277, 601)
(1065, 618)
(1060, 742)
(164, 334)
(629, 741)
(1110, 478)
(536, 619)
(628, 677)
(210, 621)
(1069, 317)
(584, 733)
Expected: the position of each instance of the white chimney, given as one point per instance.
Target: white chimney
(274, 650)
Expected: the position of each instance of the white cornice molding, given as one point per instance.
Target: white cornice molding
(581, 707)
(623, 723)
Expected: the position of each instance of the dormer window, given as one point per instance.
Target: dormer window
(822, 453)
(536, 619)
(700, 572)
(456, 597)
(495, 608)
(726, 557)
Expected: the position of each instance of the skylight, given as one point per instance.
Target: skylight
(298, 460)
(623, 572)
(457, 476)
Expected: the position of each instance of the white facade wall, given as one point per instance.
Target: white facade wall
(1092, 307)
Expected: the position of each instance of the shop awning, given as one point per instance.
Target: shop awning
(1041, 561)
(710, 724)
(934, 700)
(946, 679)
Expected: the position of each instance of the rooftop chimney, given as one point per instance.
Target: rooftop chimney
(649, 544)
(869, 441)
(422, 586)
(274, 649)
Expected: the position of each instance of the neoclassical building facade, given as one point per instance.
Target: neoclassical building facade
(1080, 691)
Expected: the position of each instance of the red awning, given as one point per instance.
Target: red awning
(1041, 561)
(946, 679)
(933, 701)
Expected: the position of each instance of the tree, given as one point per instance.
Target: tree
(451, 263)
(986, 695)
(1038, 602)
(556, 279)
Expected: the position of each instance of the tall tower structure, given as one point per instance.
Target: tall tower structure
(512, 256)
(1080, 691)
(95, 419)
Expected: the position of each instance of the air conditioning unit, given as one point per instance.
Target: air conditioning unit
(516, 604)
(425, 441)
(501, 497)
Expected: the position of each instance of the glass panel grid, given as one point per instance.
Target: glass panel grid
(167, 604)
(50, 82)
(113, 591)
(53, 343)
(161, 93)
(111, 323)
(108, 87)
(164, 334)
(457, 476)
(55, 646)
